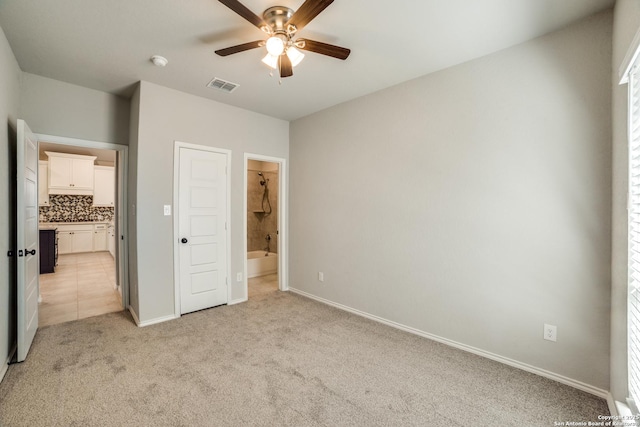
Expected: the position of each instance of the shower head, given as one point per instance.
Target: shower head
(259, 173)
(262, 179)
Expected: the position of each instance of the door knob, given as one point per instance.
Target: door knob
(184, 240)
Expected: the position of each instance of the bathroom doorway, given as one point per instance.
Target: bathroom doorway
(264, 205)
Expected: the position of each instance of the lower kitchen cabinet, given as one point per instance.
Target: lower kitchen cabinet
(82, 237)
(100, 237)
(47, 251)
(111, 240)
(75, 238)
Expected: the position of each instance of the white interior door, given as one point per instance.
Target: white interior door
(27, 213)
(202, 218)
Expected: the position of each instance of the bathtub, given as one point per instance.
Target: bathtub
(260, 265)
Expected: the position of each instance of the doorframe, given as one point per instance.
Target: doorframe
(283, 276)
(121, 222)
(176, 225)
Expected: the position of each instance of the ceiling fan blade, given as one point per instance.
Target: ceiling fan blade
(240, 48)
(242, 10)
(286, 69)
(323, 48)
(309, 10)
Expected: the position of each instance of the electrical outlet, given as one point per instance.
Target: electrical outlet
(239, 277)
(550, 332)
(320, 276)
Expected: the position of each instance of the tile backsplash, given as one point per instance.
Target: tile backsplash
(64, 208)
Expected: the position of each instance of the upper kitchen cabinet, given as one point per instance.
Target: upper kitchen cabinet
(70, 174)
(104, 186)
(43, 181)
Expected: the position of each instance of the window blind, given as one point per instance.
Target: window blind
(633, 319)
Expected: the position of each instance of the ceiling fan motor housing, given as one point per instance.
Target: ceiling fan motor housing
(276, 17)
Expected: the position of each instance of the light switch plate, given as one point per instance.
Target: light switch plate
(167, 210)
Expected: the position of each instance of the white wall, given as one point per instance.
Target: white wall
(626, 23)
(56, 108)
(9, 106)
(166, 116)
(472, 204)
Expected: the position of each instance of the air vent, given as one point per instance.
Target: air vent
(223, 85)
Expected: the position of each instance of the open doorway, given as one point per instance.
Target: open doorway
(80, 267)
(264, 225)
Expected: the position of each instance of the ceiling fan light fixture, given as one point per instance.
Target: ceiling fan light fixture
(271, 61)
(294, 55)
(275, 45)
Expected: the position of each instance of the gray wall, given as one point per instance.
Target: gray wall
(626, 23)
(472, 204)
(133, 196)
(9, 106)
(56, 108)
(166, 116)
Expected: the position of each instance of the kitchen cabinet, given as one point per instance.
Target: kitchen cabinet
(100, 237)
(43, 183)
(81, 237)
(48, 253)
(75, 238)
(104, 186)
(111, 237)
(70, 174)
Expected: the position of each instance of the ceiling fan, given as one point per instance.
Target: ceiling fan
(282, 24)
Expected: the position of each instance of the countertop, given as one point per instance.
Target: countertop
(53, 225)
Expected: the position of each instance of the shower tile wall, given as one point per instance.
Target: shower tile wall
(63, 208)
(260, 224)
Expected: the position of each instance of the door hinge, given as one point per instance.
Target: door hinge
(225, 225)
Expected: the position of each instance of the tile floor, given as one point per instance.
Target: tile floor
(263, 284)
(83, 285)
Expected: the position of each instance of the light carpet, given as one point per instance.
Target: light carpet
(278, 360)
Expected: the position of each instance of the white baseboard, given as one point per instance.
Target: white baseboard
(507, 361)
(238, 301)
(134, 315)
(611, 403)
(152, 321)
(5, 367)
(621, 412)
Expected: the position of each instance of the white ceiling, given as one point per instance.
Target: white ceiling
(106, 45)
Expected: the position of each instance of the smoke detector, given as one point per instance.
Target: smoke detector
(159, 61)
